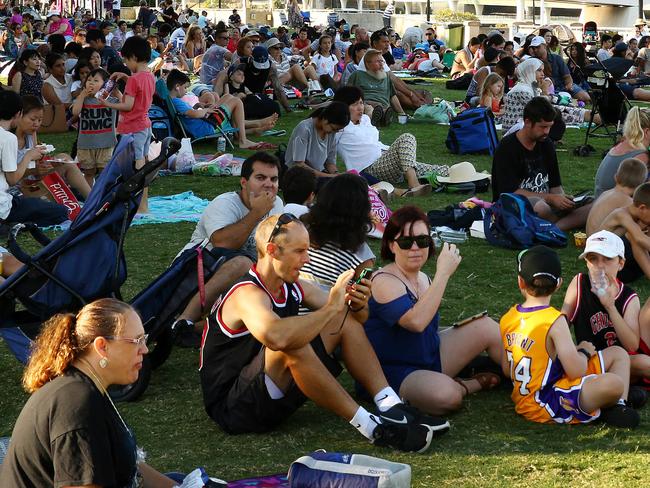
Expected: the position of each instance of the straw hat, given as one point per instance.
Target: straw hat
(463, 173)
(639, 22)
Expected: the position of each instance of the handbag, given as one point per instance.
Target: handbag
(54, 120)
(440, 113)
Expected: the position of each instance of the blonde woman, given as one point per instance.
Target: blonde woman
(636, 139)
(194, 46)
(70, 429)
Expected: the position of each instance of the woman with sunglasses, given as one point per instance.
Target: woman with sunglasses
(420, 363)
(69, 432)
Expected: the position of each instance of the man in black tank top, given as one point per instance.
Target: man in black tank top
(260, 361)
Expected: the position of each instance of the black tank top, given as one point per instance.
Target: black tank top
(224, 351)
(590, 319)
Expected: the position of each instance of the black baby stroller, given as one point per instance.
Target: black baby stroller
(609, 102)
(84, 263)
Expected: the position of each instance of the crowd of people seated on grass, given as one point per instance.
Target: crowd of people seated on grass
(293, 297)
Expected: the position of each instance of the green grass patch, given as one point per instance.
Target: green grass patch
(488, 444)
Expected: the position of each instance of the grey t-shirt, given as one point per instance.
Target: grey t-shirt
(223, 211)
(608, 168)
(306, 145)
(96, 125)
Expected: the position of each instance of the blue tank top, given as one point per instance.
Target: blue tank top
(396, 346)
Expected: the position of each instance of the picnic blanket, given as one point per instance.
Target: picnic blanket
(274, 481)
(182, 207)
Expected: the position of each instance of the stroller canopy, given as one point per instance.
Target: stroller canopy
(562, 31)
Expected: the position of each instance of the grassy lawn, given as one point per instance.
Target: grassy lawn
(488, 444)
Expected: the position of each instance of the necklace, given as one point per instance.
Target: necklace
(103, 391)
(415, 286)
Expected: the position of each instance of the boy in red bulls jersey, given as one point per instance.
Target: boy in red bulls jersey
(553, 380)
(605, 311)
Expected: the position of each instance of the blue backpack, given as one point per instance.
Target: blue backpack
(161, 127)
(472, 131)
(512, 223)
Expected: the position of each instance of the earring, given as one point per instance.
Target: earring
(103, 362)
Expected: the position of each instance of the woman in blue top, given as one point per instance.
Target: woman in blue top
(419, 362)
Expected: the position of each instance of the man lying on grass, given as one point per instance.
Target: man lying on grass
(260, 361)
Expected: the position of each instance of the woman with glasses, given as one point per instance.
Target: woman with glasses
(69, 432)
(419, 361)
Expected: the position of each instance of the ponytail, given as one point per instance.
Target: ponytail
(66, 337)
(55, 348)
(636, 121)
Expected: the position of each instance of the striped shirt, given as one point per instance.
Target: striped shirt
(389, 11)
(327, 262)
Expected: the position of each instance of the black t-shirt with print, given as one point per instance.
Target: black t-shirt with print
(515, 167)
(68, 434)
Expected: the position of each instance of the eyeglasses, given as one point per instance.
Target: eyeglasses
(223, 38)
(284, 219)
(140, 341)
(429, 34)
(406, 242)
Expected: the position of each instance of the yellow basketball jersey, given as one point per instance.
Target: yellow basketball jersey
(536, 377)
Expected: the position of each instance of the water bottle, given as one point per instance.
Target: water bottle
(106, 90)
(600, 282)
(221, 144)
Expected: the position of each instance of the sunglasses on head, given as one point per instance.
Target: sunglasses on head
(284, 219)
(421, 241)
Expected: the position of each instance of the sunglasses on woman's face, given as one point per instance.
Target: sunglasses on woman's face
(406, 242)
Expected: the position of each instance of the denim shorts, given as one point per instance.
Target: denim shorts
(141, 140)
(199, 88)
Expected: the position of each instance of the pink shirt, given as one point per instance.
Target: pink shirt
(141, 86)
(54, 26)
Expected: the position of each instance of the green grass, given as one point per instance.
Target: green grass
(488, 444)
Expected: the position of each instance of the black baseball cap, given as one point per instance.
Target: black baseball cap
(539, 261)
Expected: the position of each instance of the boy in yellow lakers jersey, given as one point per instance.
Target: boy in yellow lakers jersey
(553, 381)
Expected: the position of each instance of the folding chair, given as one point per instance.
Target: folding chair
(163, 93)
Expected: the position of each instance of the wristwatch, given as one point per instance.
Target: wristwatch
(585, 352)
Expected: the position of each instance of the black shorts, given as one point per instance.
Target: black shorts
(631, 271)
(249, 407)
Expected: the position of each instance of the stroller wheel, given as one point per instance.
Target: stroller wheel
(163, 348)
(130, 393)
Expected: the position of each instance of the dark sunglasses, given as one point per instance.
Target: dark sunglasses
(223, 38)
(284, 219)
(406, 242)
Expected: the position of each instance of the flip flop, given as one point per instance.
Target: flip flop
(260, 146)
(486, 380)
(418, 191)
